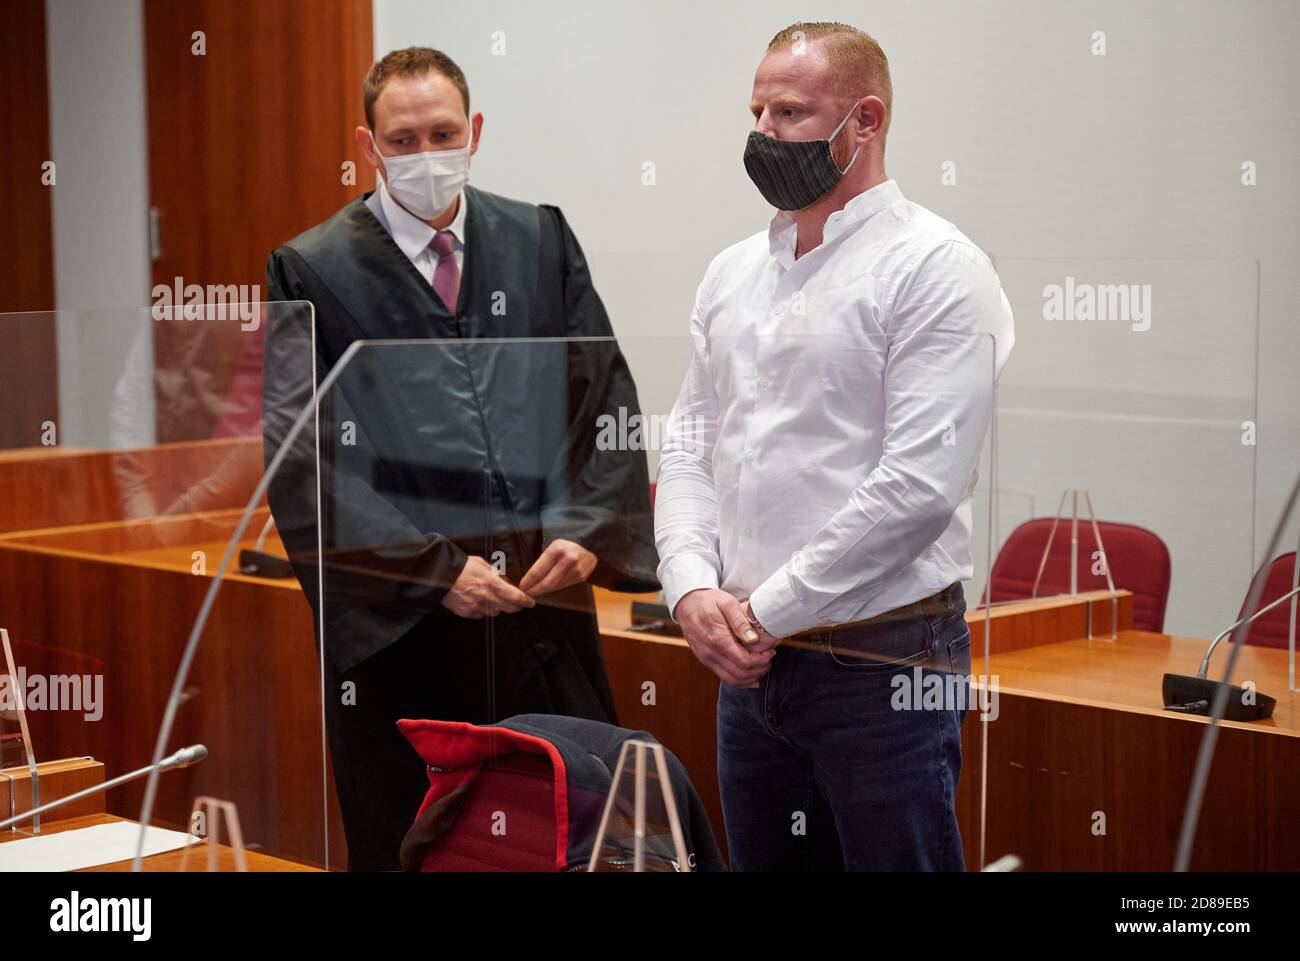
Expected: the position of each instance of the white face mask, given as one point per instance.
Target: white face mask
(427, 183)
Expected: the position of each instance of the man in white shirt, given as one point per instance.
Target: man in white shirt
(813, 508)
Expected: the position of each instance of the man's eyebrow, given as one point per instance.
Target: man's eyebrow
(785, 100)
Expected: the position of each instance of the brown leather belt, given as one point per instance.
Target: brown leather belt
(938, 603)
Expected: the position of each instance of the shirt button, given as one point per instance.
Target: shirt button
(749, 454)
(749, 531)
(763, 382)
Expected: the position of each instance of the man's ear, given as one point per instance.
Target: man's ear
(367, 145)
(871, 118)
(476, 128)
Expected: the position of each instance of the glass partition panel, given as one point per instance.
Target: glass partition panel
(489, 557)
(20, 787)
(1127, 414)
(130, 478)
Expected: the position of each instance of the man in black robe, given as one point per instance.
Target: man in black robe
(465, 508)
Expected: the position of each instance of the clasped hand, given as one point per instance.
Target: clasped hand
(480, 591)
(718, 630)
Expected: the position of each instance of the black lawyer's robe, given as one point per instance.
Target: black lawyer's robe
(480, 444)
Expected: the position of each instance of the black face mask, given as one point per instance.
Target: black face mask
(793, 174)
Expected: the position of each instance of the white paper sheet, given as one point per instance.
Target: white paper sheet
(86, 847)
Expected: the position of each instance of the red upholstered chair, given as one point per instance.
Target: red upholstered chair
(1274, 628)
(517, 790)
(483, 779)
(1139, 562)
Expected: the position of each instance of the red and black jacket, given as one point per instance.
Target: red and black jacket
(528, 794)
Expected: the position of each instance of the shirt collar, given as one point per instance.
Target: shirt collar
(411, 234)
(781, 233)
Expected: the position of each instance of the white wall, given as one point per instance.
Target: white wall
(99, 146)
(1123, 168)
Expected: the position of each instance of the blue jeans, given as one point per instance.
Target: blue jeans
(846, 756)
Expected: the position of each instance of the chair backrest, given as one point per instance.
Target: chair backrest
(1139, 562)
(507, 821)
(1274, 628)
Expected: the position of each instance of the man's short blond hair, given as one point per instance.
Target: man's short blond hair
(859, 65)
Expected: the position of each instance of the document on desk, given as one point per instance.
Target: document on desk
(86, 847)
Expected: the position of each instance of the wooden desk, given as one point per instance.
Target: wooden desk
(119, 599)
(55, 779)
(168, 861)
(123, 594)
(1081, 734)
(67, 776)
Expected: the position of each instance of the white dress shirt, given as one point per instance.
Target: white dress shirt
(413, 235)
(821, 456)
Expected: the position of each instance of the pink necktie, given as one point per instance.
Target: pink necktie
(446, 277)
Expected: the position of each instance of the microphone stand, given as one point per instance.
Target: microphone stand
(185, 757)
(1205, 663)
(1219, 704)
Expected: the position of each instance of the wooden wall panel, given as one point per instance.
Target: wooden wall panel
(62, 486)
(28, 364)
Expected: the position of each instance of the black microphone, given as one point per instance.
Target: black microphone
(1193, 695)
(257, 563)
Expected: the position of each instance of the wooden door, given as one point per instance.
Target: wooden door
(251, 108)
(29, 362)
